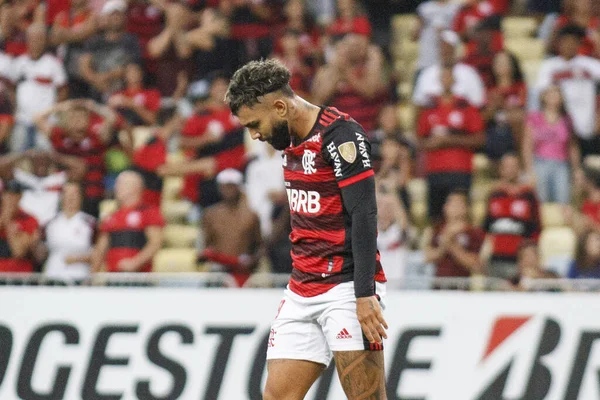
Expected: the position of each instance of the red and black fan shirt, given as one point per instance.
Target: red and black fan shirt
(28, 224)
(335, 154)
(146, 161)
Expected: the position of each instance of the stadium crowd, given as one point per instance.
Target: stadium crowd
(119, 153)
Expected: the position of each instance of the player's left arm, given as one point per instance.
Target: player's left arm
(349, 152)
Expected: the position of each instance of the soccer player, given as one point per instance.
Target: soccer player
(332, 303)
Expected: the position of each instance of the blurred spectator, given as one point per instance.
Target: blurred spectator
(85, 130)
(7, 118)
(578, 13)
(297, 18)
(232, 230)
(250, 26)
(15, 19)
(435, 16)
(471, 14)
(137, 104)
(69, 238)
(351, 18)
(70, 30)
(550, 150)
(588, 216)
(577, 77)
(149, 157)
(392, 234)
(513, 215)
(146, 20)
(354, 81)
(454, 245)
(213, 138)
(395, 166)
(49, 172)
(265, 191)
(544, 6)
(291, 56)
(132, 235)
(529, 264)
(170, 51)
(107, 54)
(40, 81)
(19, 232)
(214, 50)
(487, 41)
(467, 82)
(587, 257)
(448, 134)
(503, 112)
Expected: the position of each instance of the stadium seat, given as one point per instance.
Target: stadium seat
(175, 211)
(408, 50)
(407, 116)
(175, 260)
(592, 162)
(404, 25)
(418, 211)
(530, 70)
(480, 191)
(172, 187)
(180, 236)
(553, 215)
(481, 164)
(141, 135)
(478, 212)
(557, 242)
(417, 189)
(176, 157)
(519, 27)
(526, 48)
(106, 208)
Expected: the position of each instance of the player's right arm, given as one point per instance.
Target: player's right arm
(99, 252)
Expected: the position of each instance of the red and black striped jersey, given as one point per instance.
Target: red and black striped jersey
(25, 223)
(335, 154)
(146, 161)
(512, 216)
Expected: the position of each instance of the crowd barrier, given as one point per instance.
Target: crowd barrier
(139, 342)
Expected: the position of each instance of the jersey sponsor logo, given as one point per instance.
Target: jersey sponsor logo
(308, 162)
(508, 226)
(304, 201)
(315, 139)
(134, 219)
(335, 157)
(348, 151)
(362, 149)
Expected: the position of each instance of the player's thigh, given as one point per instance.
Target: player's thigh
(362, 374)
(290, 379)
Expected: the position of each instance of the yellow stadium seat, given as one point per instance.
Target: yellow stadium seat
(481, 164)
(107, 207)
(408, 50)
(557, 242)
(478, 212)
(418, 211)
(553, 215)
(592, 162)
(417, 188)
(175, 260)
(141, 135)
(526, 48)
(515, 27)
(405, 25)
(407, 116)
(530, 70)
(176, 157)
(480, 191)
(172, 187)
(175, 211)
(180, 236)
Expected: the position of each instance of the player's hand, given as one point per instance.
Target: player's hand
(371, 319)
(127, 265)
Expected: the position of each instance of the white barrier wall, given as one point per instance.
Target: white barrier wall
(136, 343)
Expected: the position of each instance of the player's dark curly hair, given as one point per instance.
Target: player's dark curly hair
(256, 79)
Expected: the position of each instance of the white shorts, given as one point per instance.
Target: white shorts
(311, 328)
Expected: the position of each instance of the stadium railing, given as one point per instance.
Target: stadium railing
(268, 280)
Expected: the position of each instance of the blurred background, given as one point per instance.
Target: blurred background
(483, 117)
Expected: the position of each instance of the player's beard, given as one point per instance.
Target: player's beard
(280, 139)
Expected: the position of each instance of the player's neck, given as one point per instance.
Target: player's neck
(304, 118)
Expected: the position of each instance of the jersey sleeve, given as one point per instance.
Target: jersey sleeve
(348, 151)
(153, 217)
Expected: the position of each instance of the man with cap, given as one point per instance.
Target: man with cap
(18, 232)
(213, 140)
(232, 230)
(131, 236)
(577, 76)
(354, 80)
(467, 82)
(107, 54)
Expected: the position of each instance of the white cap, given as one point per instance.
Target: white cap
(450, 37)
(230, 176)
(113, 5)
